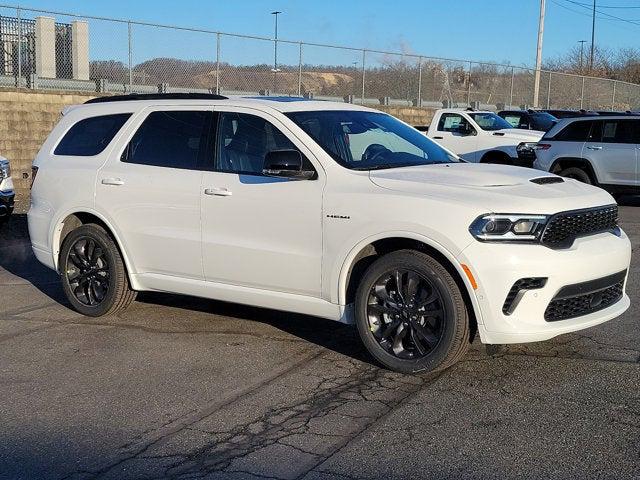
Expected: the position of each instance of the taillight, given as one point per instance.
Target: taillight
(542, 146)
(34, 172)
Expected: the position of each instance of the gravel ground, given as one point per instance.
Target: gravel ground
(178, 387)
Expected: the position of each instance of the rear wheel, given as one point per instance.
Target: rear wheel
(94, 277)
(410, 313)
(576, 173)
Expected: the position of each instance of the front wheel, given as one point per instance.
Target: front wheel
(410, 313)
(94, 278)
(576, 173)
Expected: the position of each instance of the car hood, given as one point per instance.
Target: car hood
(519, 134)
(497, 188)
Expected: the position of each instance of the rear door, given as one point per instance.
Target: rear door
(151, 190)
(450, 135)
(611, 148)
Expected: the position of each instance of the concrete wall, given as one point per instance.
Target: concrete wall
(27, 117)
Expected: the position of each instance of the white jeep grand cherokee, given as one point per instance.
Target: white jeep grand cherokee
(326, 209)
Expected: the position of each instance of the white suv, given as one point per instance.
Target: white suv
(601, 151)
(326, 209)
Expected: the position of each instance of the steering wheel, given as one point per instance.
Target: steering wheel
(373, 151)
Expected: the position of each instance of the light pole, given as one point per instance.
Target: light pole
(581, 42)
(275, 50)
(536, 83)
(593, 36)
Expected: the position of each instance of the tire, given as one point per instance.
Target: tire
(94, 278)
(577, 173)
(443, 338)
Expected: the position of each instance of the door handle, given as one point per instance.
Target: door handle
(593, 147)
(112, 181)
(218, 192)
(438, 138)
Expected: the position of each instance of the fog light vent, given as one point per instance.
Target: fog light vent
(518, 290)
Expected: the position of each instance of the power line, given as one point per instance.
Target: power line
(611, 6)
(604, 14)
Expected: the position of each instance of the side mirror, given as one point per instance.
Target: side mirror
(285, 164)
(465, 129)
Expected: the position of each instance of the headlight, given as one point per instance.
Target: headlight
(500, 227)
(5, 170)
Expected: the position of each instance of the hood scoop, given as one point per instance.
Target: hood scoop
(547, 180)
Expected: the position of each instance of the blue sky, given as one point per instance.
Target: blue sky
(490, 30)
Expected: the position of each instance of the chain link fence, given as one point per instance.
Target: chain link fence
(63, 51)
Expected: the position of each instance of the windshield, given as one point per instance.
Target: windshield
(362, 140)
(490, 121)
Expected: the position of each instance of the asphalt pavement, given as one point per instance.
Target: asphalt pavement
(178, 387)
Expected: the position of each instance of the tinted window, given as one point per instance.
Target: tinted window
(543, 121)
(574, 132)
(363, 140)
(514, 119)
(490, 121)
(451, 122)
(614, 131)
(174, 139)
(91, 136)
(244, 140)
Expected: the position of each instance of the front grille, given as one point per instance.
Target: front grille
(584, 298)
(519, 287)
(563, 228)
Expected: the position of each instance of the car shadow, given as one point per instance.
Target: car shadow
(17, 258)
(629, 201)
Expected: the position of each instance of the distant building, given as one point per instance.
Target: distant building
(46, 49)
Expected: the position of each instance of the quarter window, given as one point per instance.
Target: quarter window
(172, 139)
(91, 136)
(575, 132)
(243, 142)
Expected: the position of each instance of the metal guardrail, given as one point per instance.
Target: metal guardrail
(132, 56)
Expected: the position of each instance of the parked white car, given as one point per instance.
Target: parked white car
(482, 136)
(326, 209)
(7, 193)
(603, 151)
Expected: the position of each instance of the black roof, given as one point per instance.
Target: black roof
(157, 96)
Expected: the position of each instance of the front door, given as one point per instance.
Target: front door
(259, 231)
(455, 133)
(152, 191)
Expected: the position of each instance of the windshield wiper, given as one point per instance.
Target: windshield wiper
(384, 166)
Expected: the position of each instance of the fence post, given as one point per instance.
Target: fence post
(363, 60)
(19, 77)
(300, 70)
(513, 74)
(130, 57)
(549, 92)
(218, 63)
(582, 94)
(613, 98)
(419, 102)
(469, 86)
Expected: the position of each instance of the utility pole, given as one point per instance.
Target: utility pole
(581, 42)
(275, 51)
(593, 36)
(536, 85)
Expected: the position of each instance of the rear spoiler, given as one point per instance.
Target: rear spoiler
(68, 108)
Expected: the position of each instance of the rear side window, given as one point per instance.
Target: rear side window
(574, 132)
(172, 139)
(614, 131)
(91, 136)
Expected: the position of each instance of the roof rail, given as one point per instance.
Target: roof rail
(157, 96)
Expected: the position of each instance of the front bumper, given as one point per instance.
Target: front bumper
(497, 267)
(7, 199)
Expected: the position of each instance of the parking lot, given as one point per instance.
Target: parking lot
(179, 387)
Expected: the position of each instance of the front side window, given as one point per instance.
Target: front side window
(490, 121)
(91, 136)
(513, 119)
(452, 122)
(362, 140)
(543, 121)
(172, 139)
